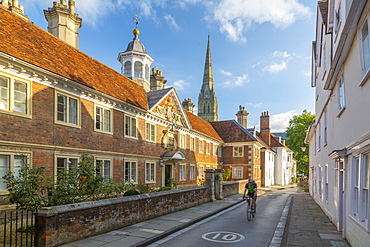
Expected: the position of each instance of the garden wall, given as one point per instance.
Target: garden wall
(63, 224)
(232, 188)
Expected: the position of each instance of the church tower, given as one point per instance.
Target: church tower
(63, 22)
(207, 101)
(136, 61)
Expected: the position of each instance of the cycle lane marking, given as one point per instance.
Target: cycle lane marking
(223, 237)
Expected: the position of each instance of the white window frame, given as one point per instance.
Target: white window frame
(201, 146)
(341, 95)
(365, 71)
(104, 127)
(130, 178)
(320, 181)
(192, 143)
(129, 130)
(219, 151)
(214, 149)
(237, 172)
(106, 175)
(326, 183)
(67, 120)
(325, 128)
(11, 96)
(150, 131)
(192, 172)
(150, 171)
(182, 172)
(208, 148)
(201, 172)
(182, 140)
(238, 151)
(14, 165)
(355, 187)
(67, 158)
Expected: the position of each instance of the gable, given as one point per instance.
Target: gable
(230, 131)
(166, 104)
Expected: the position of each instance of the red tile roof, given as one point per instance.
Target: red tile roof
(202, 126)
(231, 132)
(24, 40)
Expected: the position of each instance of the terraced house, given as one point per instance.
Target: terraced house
(339, 139)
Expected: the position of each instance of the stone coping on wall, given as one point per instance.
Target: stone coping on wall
(55, 210)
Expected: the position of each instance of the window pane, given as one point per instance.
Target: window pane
(98, 120)
(152, 172)
(106, 170)
(133, 125)
(61, 164)
(127, 69)
(19, 161)
(127, 126)
(366, 46)
(152, 133)
(133, 172)
(4, 93)
(4, 168)
(20, 97)
(62, 108)
(127, 171)
(107, 120)
(72, 111)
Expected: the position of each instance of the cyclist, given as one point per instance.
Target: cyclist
(251, 187)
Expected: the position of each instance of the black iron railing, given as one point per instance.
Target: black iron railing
(17, 228)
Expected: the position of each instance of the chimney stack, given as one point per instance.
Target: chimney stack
(188, 105)
(242, 115)
(157, 81)
(265, 127)
(63, 22)
(14, 7)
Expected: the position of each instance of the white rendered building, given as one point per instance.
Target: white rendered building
(339, 140)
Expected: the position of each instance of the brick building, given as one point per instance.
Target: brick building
(57, 103)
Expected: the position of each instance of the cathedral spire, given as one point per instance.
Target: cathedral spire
(207, 101)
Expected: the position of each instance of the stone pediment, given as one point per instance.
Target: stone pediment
(166, 104)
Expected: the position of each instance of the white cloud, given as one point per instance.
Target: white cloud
(307, 73)
(180, 85)
(226, 72)
(280, 122)
(280, 54)
(171, 22)
(237, 81)
(236, 16)
(255, 105)
(276, 67)
(281, 63)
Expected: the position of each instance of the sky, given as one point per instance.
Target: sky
(261, 49)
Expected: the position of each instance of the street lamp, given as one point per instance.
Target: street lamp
(303, 147)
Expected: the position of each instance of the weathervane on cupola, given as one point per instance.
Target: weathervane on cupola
(135, 60)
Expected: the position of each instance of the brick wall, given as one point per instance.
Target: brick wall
(62, 224)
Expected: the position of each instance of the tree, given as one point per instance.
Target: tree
(296, 134)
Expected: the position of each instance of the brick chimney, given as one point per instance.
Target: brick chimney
(14, 7)
(63, 22)
(265, 127)
(188, 105)
(157, 81)
(242, 115)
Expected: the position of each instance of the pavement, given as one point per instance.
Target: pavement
(302, 223)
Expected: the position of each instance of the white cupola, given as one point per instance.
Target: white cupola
(136, 62)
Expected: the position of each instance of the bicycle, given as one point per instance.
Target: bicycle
(250, 209)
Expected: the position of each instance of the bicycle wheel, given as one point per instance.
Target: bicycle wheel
(249, 213)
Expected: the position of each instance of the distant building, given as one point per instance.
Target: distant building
(339, 139)
(207, 100)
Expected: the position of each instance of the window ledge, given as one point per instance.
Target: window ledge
(365, 79)
(341, 111)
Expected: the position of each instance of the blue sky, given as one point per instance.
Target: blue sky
(261, 50)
